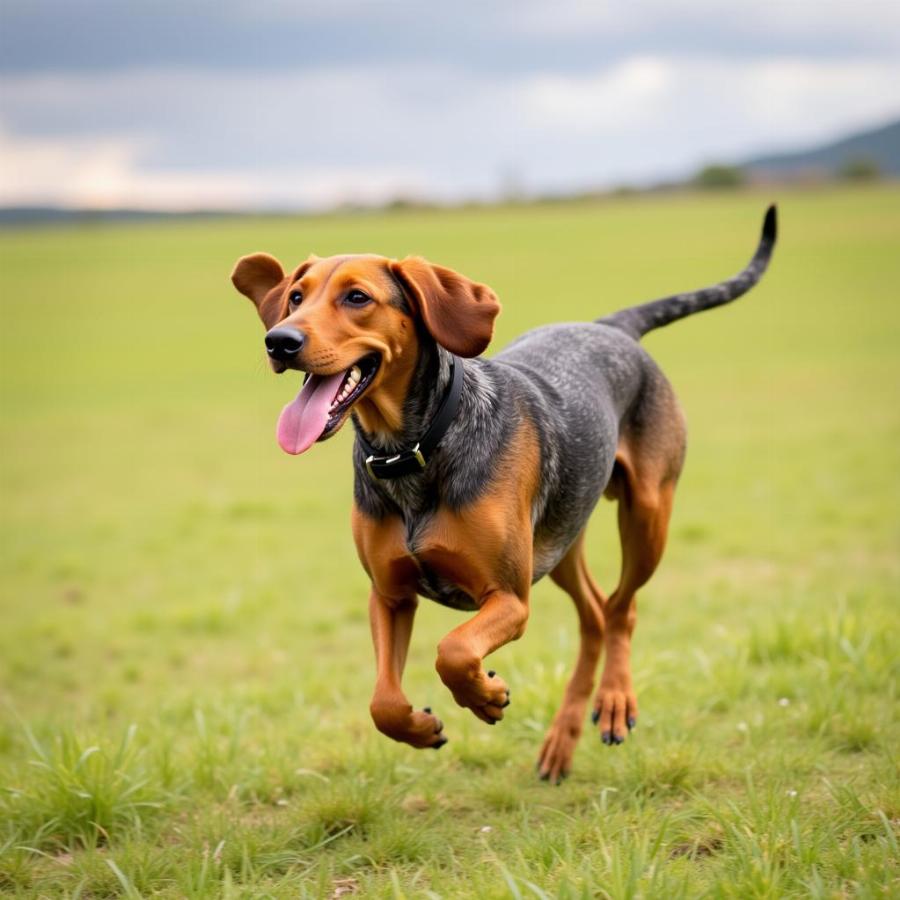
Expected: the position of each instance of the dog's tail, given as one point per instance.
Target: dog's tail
(638, 320)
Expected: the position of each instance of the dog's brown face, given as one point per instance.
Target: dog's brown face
(350, 322)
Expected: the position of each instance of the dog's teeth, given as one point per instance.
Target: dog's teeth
(350, 383)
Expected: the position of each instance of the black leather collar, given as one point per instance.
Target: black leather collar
(410, 462)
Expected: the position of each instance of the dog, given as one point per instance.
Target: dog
(475, 477)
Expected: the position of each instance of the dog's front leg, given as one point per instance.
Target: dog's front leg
(501, 619)
(392, 713)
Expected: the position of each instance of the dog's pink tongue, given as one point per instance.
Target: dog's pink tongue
(303, 420)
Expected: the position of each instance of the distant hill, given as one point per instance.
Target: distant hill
(878, 145)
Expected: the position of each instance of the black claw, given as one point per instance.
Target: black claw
(618, 740)
(545, 776)
(606, 737)
(439, 727)
(491, 673)
(440, 743)
(427, 709)
(504, 705)
(632, 722)
(595, 716)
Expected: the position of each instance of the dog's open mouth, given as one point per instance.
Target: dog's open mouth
(320, 406)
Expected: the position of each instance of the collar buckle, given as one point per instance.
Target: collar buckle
(403, 463)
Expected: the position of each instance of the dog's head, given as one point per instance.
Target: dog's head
(354, 323)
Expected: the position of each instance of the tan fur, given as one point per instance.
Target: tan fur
(458, 313)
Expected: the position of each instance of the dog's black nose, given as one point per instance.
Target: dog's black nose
(284, 344)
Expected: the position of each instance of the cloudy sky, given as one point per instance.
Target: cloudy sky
(291, 103)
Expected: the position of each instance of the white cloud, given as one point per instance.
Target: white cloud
(810, 100)
(54, 171)
(652, 118)
(611, 101)
(87, 174)
(714, 105)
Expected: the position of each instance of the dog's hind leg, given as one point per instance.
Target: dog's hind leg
(647, 467)
(572, 575)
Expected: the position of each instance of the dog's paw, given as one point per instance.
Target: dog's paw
(555, 759)
(437, 737)
(615, 714)
(487, 695)
(418, 728)
(493, 698)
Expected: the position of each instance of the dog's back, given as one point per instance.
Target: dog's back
(591, 390)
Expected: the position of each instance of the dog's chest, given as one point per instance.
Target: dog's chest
(436, 587)
(443, 574)
(450, 554)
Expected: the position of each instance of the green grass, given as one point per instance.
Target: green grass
(184, 653)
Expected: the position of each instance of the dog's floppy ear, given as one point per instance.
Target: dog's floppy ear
(458, 313)
(254, 276)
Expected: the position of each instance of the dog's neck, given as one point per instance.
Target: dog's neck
(399, 422)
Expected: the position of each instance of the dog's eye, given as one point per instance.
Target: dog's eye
(294, 298)
(357, 298)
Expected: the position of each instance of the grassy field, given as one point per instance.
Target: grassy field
(185, 665)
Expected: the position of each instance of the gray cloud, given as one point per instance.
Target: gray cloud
(528, 35)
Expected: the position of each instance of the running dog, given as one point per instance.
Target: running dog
(476, 477)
